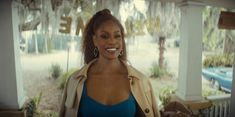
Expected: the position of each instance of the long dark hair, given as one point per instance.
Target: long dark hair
(93, 24)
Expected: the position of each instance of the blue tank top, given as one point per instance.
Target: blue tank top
(91, 108)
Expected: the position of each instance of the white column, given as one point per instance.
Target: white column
(11, 88)
(191, 27)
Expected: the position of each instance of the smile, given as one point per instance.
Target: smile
(111, 49)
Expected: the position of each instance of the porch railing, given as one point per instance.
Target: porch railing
(220, 106)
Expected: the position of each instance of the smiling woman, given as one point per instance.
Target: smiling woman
(108, 40)
(107, 86)
(95, 32)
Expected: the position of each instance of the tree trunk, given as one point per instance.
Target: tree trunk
(161, 44)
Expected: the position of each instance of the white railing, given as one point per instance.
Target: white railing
(220, 106)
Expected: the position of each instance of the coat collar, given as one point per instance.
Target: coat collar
(81, 75)
(132, 72)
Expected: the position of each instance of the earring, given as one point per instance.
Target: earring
(121, 53)
(95, 52)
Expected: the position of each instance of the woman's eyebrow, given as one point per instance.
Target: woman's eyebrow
(117, 32)
(102, 31)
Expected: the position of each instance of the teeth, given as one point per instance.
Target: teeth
(111, 49)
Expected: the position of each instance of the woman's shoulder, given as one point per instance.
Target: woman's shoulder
(143, 80)
(132, 71)
(73, 73)
(79, 72)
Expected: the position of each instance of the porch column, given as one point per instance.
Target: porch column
(190, 61)
(11, 88)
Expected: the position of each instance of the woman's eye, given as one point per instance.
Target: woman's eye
(117, 36)
(104, 36)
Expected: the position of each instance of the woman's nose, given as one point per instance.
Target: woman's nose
(112, 40)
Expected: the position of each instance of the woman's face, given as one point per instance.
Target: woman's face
(108, 40)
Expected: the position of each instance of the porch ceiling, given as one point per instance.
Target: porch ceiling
(228, 4)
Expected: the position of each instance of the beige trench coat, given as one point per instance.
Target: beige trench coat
(140, 87)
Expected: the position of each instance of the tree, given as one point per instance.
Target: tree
(212, 36)
(44, 16)
(113, 5)
(229, 41)
(34, 15)
(162, 22)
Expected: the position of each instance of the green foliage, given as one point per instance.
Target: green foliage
(138, 27)
(153, 25)
(163, 19)
(165, 95)
(210, 92)
(157, 71)
(212, 36)
(32, 105)
(64, 78)
(30, 108)
(55, 70)
(134, 26)
(37, 99)
(47, 114)
(225, 60)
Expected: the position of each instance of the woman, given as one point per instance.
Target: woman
(106, 86)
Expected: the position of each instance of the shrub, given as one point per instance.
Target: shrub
(209, 92)
(165, 95)
(157, 71)
(218, 61)
(64, 78)
(32, 105)
(55, 70)
(30, 108)
(48, 114)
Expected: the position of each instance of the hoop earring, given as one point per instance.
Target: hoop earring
(121, 53)
(95, 52)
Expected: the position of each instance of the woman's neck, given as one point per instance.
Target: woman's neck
(107, 66)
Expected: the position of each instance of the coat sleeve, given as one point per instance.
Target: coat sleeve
(154, 102)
